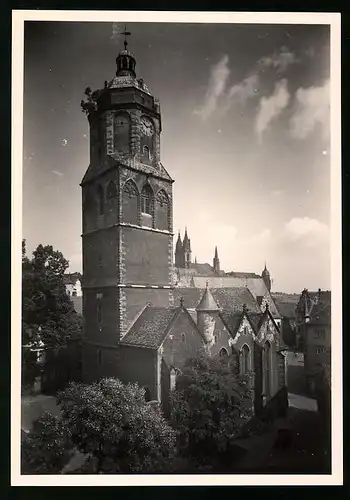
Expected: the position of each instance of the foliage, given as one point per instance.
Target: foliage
(208, 407)
(90, 105)
(112, 423)
(47, 448)
(48, 316)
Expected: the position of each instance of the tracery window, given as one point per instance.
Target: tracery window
(146, 200)
(245, 359)
(266, 359)
(223, 352)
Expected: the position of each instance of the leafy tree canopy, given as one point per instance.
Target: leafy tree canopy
(113, 424)
(209, 405)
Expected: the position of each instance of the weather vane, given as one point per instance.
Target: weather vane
(125, 33)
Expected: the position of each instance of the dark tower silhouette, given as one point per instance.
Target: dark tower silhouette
(216, 262)
(267, 278)
(187, 250)
(179, 255)
(127, 215)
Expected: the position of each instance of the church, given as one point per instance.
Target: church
(143, 316)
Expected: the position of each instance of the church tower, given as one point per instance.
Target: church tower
(179, 255)
(266, 278)
(216, 262)
(187, 250)
(127, 214)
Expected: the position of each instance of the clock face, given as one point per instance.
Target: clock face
(147, 126)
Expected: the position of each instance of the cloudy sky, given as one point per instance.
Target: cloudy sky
(245, 115)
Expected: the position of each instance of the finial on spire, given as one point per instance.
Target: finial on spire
(125, 33)
(181, 301)
(244, 307)
(267, 307)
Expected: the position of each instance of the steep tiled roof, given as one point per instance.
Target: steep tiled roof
(207, 302)
(256, 286)
(286, 309)
(232, 320)
(231, 299)
(234, 274)
(151, 327)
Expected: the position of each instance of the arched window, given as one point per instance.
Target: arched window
(146, 199)
(162, 198)
(147, 394)
(130, 202)
(245, 359)
(162, 210)
(122, 128)
(223, 352)
(172, 379)
(146, 152)
(183, 337)
(266, 362)
(101, 201)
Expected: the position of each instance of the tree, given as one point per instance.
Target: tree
(47, 448)
(113, 424)
(48, 316)
(208, 407)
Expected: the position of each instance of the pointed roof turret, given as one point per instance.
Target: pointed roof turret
(207, 303)
(265, 272)
(187, 241)
(178, 243)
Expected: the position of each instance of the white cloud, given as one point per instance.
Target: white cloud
(220, 97)
(217, 84)
(307, 230)
(279, 60)
(311, 108)
(57, 172)
(271, 107)
(245, 89)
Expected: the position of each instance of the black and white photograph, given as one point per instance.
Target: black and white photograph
(176, 243)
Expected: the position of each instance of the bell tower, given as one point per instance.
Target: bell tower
(127, 214)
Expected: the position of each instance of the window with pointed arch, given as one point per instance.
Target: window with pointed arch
(122, 130)
(223, 352)
(130, 205)
(146, 152)
(146, 199)
(266, 363)
(162, 210)
(100, 200)
(245, 359)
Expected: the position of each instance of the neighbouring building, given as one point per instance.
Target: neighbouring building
(72, 283)
(138, 325)
(286, 305)
(314, 333)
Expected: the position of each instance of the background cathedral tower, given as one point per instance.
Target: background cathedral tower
(267, 278)
(127, 214)
(216, 262)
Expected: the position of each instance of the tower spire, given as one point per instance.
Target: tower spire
(216, 261)
(126, 33)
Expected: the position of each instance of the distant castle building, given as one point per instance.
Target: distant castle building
(142, 317)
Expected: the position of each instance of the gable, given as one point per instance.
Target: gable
(244, 333)
(268, 331)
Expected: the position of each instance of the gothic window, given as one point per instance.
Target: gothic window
(267, 369)
(183, 337)
(245, 359)
(130, 202)
(223, 352)
(146, 200)
(172, 379)
(162, 210)
(130, 189)
(146, 152)
(100, 198)
(122, 129)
